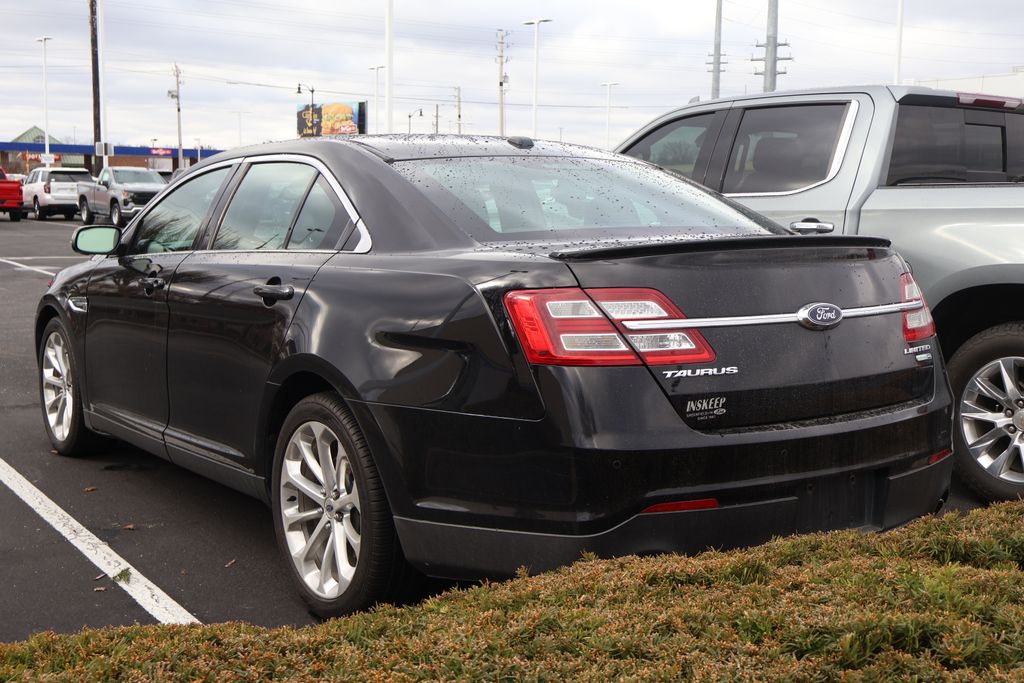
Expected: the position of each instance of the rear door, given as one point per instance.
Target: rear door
(231, 305)
(794, 161)
(64, 185)
(682, 145)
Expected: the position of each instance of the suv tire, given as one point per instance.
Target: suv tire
(37, 211)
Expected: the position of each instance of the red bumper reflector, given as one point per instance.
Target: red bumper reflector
(681, 505)
(941, 455)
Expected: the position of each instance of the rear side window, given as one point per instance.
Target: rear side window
(782, 149)
(321, 220)
(68, 176)
(677, 146)
(264, 206)
(952, 145)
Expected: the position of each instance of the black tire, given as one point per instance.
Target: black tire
(68, 215)
(88, 217)
(39, 213)
(78, 440)
(381, 572)
(15, 216)
(116, 218)
(1001, 341)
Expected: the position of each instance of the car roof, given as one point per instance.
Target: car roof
(390, 148)
(896, 92)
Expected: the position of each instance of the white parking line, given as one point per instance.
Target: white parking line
(163, 608)
(44, 258)
(24, 267)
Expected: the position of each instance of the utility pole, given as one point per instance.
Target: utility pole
(199, 151)
(899, 43)
(97, 134)
(100, 39)
(771, 47)
(716, 56)
(437, 118)
(240, 126)
(376, 103)
(608, 115)
(458, 108)
(502, 81)
(176, 96)
(46, 106)
(389, 64)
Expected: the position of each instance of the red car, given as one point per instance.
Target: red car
(10, 196)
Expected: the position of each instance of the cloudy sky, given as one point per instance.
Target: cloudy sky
(242, 59)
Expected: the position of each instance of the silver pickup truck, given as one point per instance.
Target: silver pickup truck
(940, 174)
(120, 192)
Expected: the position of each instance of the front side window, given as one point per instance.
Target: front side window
(173, 223)
(782, 149)
(676, 146)
(264, 206)
(496, 199)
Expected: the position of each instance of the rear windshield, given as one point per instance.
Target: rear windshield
(496, 199)
(140, 175)
(68, 176)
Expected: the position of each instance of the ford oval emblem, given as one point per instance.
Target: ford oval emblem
(819, 316)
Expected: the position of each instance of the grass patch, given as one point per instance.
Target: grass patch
(942, 599)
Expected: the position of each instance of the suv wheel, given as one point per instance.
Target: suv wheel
(37, 211)
(87, 215)
(115, 214)
(332, 519)
(59, 392)
(987, 377)
(15, 215)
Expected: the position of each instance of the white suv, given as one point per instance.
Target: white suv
(53, 190)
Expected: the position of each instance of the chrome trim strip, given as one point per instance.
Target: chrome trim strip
(842, 145)
(773, 319)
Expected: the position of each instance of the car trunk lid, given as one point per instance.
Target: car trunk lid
(744, 298)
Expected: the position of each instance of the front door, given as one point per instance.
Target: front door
(126, 334)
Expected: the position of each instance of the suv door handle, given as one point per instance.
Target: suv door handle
(272, 293)
(811, 226)
(151, 284)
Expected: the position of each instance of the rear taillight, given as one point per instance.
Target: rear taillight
(917, 324)
(570, 326)
(46, 188)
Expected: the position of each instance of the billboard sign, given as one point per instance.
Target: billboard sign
(333, 118)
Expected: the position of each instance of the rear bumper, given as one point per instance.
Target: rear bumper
(10, 204)
(467, 552)
(484, 495)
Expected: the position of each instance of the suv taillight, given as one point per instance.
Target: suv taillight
(917, 324)
(46, 187)
(570, 326)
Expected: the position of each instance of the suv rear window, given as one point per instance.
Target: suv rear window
(68, 176)
(496, 199)
(953, 145)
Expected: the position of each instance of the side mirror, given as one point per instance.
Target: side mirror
(96, 239)
(105, 183)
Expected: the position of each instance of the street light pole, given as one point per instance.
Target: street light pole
(389, 76)
(536, 64)
(899, 43)
(411, 114)
(376, 103)
(199, 151)
(46, 106)
(608, 114)
(312, 103)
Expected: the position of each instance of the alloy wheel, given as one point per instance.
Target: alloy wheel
(992, 418)
(58, 390)
(115, 214)
(320, 510)
(37, 210)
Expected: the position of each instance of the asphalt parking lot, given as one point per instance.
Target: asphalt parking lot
(210, 550)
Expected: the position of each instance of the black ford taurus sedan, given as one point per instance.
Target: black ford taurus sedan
(463, 356)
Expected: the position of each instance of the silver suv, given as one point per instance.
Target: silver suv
(940, 174)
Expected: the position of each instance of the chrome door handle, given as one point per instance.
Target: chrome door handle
(272, 293)
(811, 226)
